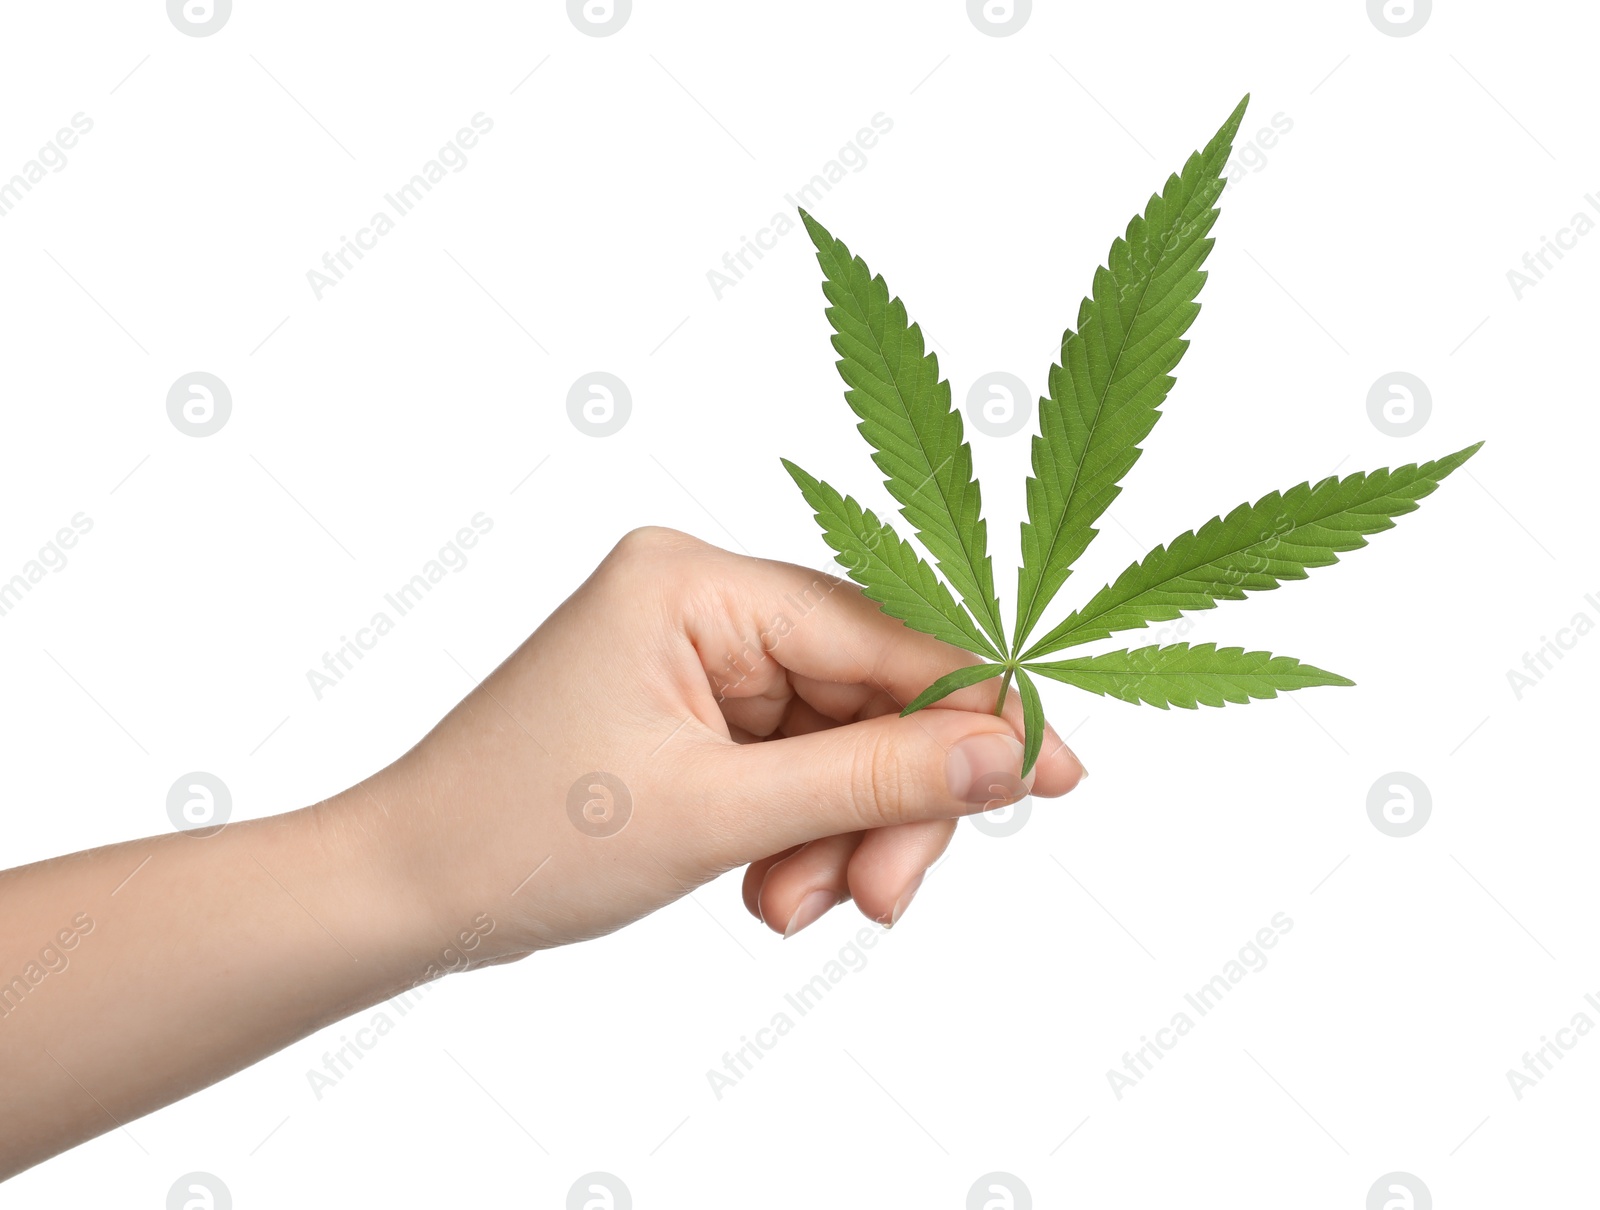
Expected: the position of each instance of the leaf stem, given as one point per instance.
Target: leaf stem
(1005, 686)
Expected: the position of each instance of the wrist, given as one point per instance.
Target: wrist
(401, 883)
(373, 888)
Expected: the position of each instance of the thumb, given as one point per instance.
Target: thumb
(935, 764)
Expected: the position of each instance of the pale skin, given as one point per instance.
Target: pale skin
(751, 710)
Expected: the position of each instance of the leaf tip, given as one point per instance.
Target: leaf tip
(1224, 137)
(1331, 679)
(1451, 462)
(819, 234)
(807, 483)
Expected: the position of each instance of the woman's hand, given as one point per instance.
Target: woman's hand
(685, 712)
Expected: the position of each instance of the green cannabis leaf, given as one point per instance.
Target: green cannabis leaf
(1106, 393)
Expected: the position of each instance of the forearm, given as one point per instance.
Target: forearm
(135, 974)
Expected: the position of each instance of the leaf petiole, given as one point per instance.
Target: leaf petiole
(1005, 687)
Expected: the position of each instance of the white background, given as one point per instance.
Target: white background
(370, 425)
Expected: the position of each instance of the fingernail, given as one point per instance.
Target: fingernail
(906, 896)
(812, 908)
(983, 768)
(1083, 769)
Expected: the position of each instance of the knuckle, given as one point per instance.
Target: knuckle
(877, 778)
(645, 540)
(650, 545)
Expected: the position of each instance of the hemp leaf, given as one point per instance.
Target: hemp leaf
(1105, 397)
